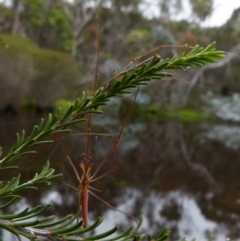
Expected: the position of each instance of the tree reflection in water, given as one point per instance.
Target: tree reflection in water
(169, 174)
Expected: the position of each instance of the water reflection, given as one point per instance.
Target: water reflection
(226, 134)
(168, 174)
(226, 108)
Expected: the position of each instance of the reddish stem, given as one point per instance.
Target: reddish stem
(84, 204)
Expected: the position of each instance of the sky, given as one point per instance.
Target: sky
(222, 11)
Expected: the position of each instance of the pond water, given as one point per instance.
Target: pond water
(184, 176)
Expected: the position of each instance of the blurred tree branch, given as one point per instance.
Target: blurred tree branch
(80, 14)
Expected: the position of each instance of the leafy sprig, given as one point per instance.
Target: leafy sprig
(59, 123)
(67, 228)
(14, 185)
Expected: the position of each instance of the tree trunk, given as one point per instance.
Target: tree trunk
(16, 20)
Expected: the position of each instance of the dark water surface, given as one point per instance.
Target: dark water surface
(183, 176)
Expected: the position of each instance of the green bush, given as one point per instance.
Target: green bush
(29, 73)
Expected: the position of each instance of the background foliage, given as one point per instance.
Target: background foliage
(71, 27)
